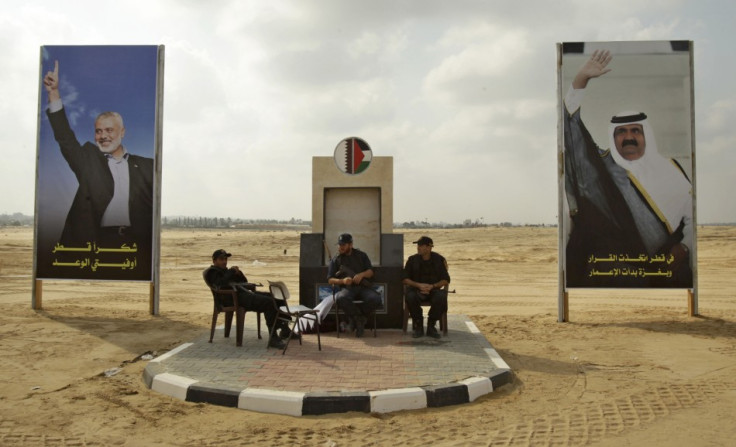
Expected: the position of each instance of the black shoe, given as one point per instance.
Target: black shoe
(351, 324)
(359, 326)
(418, 330)
(432, 331)
(277, 343)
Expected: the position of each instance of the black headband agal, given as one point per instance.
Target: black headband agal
(628, 118)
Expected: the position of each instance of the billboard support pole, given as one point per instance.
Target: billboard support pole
(692, 294)
(563, 312)
(692, 303)
(152, 299)
(156, 283)
(36, 287)
(37, 294)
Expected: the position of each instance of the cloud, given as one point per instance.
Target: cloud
(461, 93)
(479, 54)
(720, 116)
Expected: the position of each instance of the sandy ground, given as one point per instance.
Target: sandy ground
(631, 368)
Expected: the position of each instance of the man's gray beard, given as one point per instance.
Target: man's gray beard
(112, 146)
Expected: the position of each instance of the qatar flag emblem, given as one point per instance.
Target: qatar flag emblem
(353, 155)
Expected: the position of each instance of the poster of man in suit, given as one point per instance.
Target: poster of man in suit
(95, 190)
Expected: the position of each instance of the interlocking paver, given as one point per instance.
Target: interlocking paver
(392, 360)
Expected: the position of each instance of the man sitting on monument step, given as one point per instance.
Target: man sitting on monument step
(425, 276)
(350, 269)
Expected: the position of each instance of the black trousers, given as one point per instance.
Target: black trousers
(371, 300)
(259, 302)
(437, 299)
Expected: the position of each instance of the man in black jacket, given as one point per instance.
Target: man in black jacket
(351, 270)
(220, 276)
(425, 276)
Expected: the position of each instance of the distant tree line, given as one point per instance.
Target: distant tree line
(15, 220)
(225, 222)
(20, 219)
(467, 223)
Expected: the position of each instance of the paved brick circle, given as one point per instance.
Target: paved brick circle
(390, 372)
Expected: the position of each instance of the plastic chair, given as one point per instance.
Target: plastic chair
(279, 291)
(443, 319)
(217, 296)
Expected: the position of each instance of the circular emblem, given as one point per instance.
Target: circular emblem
(353, 155)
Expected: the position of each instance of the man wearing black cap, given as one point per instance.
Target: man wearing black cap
(350, 269)
(425, 275)
(219, 275)
(628, 200)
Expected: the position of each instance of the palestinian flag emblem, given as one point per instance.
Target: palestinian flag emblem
(353, 155)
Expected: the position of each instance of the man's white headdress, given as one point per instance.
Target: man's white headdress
(657, 178)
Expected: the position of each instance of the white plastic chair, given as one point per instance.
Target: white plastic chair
(279, 291)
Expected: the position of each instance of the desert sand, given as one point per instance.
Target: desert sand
(630, 368)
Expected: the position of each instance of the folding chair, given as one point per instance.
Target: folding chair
(217, 295)
(443, 319)
(279, 291)
(337, 314)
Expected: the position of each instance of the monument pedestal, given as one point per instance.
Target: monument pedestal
(360, 204)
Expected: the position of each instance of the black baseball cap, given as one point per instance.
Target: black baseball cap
(219, 253)
(345, 238)
(424, 240)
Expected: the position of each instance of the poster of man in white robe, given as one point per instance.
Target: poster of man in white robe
(628, 191)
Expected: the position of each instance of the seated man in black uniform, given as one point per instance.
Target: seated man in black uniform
(227, 278)
(425, 274)
(350, 269)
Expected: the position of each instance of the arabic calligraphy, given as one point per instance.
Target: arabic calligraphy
(641, 266)
(92, 247)
(626, 258)
(94, 263)
(82, 263)
(631, 272)
(60, 247)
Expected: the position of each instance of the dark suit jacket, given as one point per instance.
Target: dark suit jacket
(96, 187)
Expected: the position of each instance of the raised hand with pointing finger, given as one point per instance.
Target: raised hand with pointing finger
(51, 83)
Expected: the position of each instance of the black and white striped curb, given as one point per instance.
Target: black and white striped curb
(296, 403)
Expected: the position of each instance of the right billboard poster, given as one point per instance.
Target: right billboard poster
(628, 192)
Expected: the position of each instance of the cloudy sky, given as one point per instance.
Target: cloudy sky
(462, 94)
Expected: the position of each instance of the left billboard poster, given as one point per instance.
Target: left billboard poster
(97, 162)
